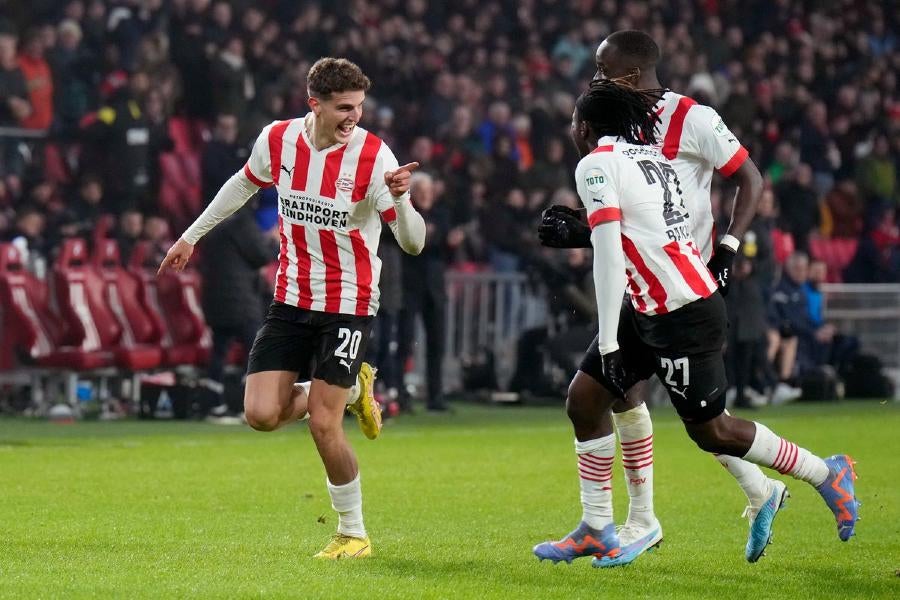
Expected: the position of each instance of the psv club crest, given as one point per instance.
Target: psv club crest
(344, 183)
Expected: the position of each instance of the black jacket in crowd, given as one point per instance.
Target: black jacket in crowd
(233, 253)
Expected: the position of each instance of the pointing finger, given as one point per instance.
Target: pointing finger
(408, 168)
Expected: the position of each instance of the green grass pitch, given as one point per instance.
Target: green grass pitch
(453, 505)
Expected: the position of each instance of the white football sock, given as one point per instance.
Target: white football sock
(595, 459)
(305, 387)
(752, 480)
(635, 430)
(353, 394)
(749, 476)
(347, 501)
(787, 458)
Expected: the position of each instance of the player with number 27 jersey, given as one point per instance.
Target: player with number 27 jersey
(638, 186)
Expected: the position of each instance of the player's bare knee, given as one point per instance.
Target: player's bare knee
(579, 405)
(261, 413)
(712, 436)
(262, 420)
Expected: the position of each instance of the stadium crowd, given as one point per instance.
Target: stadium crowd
(141, 109)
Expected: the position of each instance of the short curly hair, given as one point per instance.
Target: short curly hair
(329, 75)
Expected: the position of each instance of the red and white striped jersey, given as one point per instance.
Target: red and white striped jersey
(696, 141)
(636, 185)
(329, 204)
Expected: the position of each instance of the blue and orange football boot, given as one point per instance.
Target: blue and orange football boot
(839, 493)
(762, 519)
(584, 541)
(634, 540)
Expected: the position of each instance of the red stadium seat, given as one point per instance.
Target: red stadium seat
(34, 334)
(139, 344)
(182, 135)
(172, 301)
(90, 323)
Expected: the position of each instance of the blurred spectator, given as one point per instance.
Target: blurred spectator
(28, 235)
(74, 71)
(877, 258)
(507, 227)
(235, 251)
(384, 350)
(87, 207)
(759, 239)
(745, 355)
(817, 149)
(825, 346)
(798, 205)
(876, 173)
(38, 80)
(159, 141)
(789, 319)
(157, 233)
(223, 157)
(424, 292)
(550, 170)
(15, 107)
(845, 209)
(231, 81)
(118, 138)
(128, 233)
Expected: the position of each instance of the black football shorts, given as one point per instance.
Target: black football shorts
(687, 344)
(317, 345)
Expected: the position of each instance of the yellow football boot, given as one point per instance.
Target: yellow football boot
(343, 546)
(366, 408)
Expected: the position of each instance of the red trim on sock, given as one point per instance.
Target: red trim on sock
(638, 455)
(633, 442)
(638, 449)
(598, 461)
(641, 466)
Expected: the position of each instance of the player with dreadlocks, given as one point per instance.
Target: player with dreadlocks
(697, 143)
(642, 240)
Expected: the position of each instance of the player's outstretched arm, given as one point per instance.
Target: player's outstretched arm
(233, 195)
(409, 226)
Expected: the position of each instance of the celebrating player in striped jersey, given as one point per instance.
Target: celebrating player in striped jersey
(336, 182)
(696, 142)
(641, 235)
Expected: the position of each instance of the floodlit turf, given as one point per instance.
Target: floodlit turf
(453, 504)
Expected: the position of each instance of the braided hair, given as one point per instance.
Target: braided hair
(614, 109)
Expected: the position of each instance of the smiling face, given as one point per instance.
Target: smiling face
(337, 116)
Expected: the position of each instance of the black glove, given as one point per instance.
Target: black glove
(562, 227)
(720, 266)
(614, 373)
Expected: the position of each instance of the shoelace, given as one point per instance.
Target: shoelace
(628, 534)
(750, 513)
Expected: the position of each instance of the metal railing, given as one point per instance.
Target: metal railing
(490, 311)
(869, 311)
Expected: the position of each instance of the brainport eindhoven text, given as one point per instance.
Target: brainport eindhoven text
(311, 211)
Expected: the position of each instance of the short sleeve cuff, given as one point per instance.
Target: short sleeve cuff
(728, 169)
(604, 215)
(254, 179)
